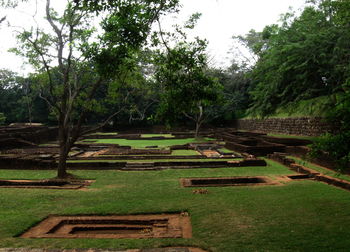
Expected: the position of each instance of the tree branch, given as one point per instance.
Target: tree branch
(58, 33)
(103, 124)
(161, 36)
(48, 71)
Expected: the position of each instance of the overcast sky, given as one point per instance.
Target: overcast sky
(221, 19)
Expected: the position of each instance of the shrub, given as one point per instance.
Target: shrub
(2, 119)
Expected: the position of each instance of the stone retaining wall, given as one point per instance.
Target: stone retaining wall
(306, 126)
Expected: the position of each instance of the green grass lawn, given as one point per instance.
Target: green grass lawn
(103, 133)
(296, 216)
(158, 135)
(311, 138)
(185, 153)
(143, 143)
(224, 150)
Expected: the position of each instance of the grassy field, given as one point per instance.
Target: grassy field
(184, 153)
(143, 143)
(315, 107)
(104, 133)
(294, 136)
(296, 216)
(158, 135)
(224, 150)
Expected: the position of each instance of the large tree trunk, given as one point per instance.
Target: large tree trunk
(62, 163)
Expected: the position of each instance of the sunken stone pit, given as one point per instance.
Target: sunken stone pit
(299, 176)
(226, 181)
(45, 184)
(176, 225)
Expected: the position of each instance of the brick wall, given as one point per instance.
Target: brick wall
(306, 126)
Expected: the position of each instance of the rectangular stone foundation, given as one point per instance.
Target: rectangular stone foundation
(226, 181)
(45, 184)
(113, 226)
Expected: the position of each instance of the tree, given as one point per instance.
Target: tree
(140, 90)
(187, 88)
(11, 93)
(19, 98)
(236, 84)
(79, 63)
(181, 71)
(337, 144)
(304, 57)
(6, 4)
(254, 44)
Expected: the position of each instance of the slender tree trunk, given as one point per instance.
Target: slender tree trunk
(29, 113)
(62, 162)
(197, 129)
(199, 120)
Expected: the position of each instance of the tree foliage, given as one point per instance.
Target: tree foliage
(187, 88)
(305, 57)
(79, 64)
(235, 98)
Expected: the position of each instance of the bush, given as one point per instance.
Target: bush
(2, 119)
(337, 147)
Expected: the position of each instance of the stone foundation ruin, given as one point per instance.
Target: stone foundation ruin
(226, 181)
(176, 225)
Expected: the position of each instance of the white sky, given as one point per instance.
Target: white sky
(221, 19)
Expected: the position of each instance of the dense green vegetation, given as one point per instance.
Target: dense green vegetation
(297, 67)
(307, 57)
(299, 215)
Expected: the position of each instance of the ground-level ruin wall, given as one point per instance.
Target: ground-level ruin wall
(307, 126)
(33, 134)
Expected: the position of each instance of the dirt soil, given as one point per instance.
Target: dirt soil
(210, 153)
